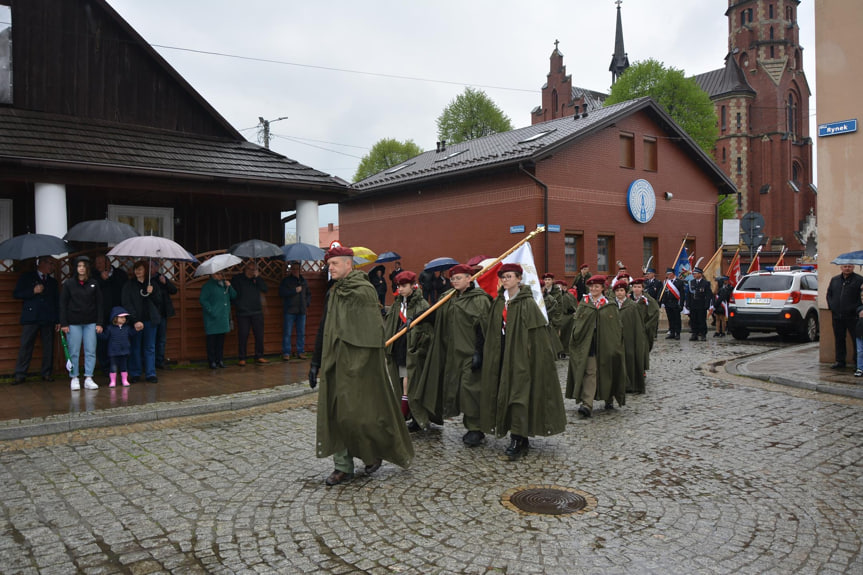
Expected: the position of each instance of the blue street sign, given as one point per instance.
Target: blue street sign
(835, 128)
(516, 229)
(550, 228)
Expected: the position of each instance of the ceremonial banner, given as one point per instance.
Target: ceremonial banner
(734, 270)
(756, 262)
(523, 256)
(682, 262)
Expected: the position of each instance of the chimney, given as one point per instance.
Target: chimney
(329, 227)
(443, 145)
(437, 149)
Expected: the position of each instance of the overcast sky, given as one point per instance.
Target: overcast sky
(347, 73)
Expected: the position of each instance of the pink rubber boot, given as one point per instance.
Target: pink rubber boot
(125, 376)
(113, 378)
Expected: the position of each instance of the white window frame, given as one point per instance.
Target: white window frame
(140, 212)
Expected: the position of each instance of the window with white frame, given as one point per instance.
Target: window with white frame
(146, 220)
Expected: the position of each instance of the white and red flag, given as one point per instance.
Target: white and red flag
(523, 256)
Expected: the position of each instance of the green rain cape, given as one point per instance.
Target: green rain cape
(521, 390)
(610, 375)
(447, 385)
(552, 302)
(634, 345)
(650, 315)
(418, 340)
(357, 410)
(568, 304)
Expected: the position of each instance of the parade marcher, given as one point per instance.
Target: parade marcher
(358, 415)
(450, 381)
(596, 351)
(520, 387)
(652, 286)
(843, 297)
(580, 283)
(700, 300)
(672, 301)
(406, 356)
(296, 299)
(649, 310)
(40, 317)
(720, 305)
(622, 275)
(249, 286)
(551, 297)
(215, 299)
(567, 303)
(635, 346)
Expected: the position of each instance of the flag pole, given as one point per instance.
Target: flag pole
(736, 256)
(755, 259)
(677, 257)
(451, 292)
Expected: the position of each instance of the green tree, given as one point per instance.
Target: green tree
(679, 96)
(387, 153)
(469, 116)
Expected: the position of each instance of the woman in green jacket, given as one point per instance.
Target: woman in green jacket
(215, 298)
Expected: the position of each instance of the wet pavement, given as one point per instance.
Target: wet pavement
(723, 466)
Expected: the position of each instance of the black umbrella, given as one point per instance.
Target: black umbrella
(32, 246)
(303, 252)
(256, 249)
(100, 231)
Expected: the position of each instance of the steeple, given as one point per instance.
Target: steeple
(619, 60)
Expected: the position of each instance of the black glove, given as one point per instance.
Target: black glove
(313, 376)
(476, 361)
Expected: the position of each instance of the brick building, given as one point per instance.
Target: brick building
(761, 97)
(577, 173)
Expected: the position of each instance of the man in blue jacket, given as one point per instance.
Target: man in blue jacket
(40, 316)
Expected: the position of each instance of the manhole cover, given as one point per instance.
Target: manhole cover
(547, 500)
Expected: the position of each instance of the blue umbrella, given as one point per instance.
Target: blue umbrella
(440, 264)
(387, 257)
(851, 258)
(303, 252)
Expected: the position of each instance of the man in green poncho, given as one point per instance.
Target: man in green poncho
(520, 387)
(634, 339)
(358, 415)
(551, 297)
(596, 351)
(450, 381)
(406, 356)
(568, 303)
(649, 310)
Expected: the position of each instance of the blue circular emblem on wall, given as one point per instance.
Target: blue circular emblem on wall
(641, 201)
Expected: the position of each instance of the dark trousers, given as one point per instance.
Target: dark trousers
(119, 363)
(673, 320)
(216, 347)
(699, 321)
(256, 324)
(102, 355)
(843, 325)
(29, 332)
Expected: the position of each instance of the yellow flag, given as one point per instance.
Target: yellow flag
(713, 269)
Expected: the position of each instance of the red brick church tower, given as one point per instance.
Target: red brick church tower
(762, 104)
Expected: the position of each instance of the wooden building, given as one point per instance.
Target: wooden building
(94, 123)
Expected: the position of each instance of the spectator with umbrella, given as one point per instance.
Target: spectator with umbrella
(166, 310)
(39, 317)
(250, 286)
(215, 298)
(296, 299)
(140, 298)
(376, 276)
(81, 320)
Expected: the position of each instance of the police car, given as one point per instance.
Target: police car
(781, 299)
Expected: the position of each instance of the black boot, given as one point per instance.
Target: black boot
(518, 447)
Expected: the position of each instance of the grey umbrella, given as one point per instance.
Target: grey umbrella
(32, 246)
(303, 252)
(100, 231)
(256, 249)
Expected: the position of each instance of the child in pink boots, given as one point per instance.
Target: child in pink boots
(119, 346)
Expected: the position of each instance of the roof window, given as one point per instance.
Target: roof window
(536, 136)
(399, 168)
(452, 155)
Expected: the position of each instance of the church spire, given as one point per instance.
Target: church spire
(619, 60)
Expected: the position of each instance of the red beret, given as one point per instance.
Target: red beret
(597, 279)
(405, 277)
(336, 250)
(621, 284)
(560, 283)
(460, 269)
(582, 266)
(638, 281)
(510, 268)
(548, 276)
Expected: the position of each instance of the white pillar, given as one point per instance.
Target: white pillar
(50, 208)
(307, 222)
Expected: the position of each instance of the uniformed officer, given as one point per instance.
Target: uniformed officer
(652, 286)
(672, 301)
(699, 300)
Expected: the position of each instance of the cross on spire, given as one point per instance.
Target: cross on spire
(618, 2)
(556, 42)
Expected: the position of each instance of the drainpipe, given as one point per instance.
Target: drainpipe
(544, 209)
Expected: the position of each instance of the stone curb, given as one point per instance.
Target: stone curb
(739, 367)
(24, 428)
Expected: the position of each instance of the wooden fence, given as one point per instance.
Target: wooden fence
(186, 339)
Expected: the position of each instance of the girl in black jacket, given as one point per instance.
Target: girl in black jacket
(81, 320)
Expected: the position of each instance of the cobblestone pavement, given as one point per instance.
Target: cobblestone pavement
(706, 473)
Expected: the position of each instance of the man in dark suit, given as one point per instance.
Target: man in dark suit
(843, 297)
(652, 286)
(40, 316)
(672, 301)
(698, 301)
